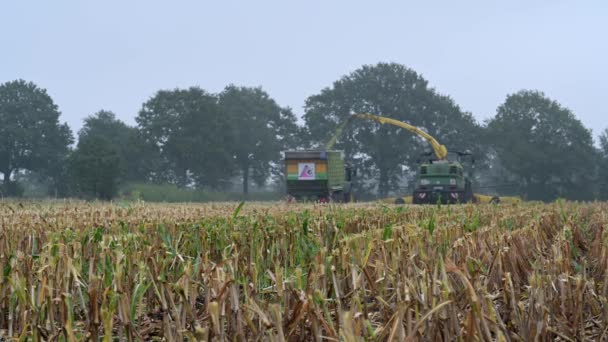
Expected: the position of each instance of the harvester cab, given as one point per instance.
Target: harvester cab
(442, 180)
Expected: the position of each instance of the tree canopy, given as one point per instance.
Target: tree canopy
(190, 135)
(544, 145)
(603, 165)
(137, 159)
(95, 167)
(260, 129)
(31, 136)
(604, 142)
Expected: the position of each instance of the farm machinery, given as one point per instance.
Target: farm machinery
(440, 178)
(318, 176)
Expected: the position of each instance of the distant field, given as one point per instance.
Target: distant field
(276, 271)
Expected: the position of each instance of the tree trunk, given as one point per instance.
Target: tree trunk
(182, 176)
(6, 184)
(246, 180)
(383, 183)
(7, 178)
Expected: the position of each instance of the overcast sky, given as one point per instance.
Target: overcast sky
(115, 54)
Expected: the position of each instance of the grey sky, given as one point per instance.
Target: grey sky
(115, 54)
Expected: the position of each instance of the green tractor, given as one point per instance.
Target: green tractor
(443, 181)
(441, 177)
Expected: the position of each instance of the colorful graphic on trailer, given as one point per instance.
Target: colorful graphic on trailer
(306, 171)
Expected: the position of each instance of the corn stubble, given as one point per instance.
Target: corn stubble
(75, 271)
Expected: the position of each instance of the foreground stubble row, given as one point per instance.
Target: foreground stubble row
(135, 271)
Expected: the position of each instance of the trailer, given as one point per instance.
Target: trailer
(318, 175)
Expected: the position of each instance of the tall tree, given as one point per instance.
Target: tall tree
(191, 136)
(603, 165)
(392, 90)
(95, 167)
(137, 159)
(545, 146)
(261, 130)
(604, 143)
(31, 136)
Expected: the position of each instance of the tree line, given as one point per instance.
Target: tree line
(532, 147)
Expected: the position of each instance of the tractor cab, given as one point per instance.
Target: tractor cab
(442, 181)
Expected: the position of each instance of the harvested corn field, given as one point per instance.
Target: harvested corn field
(76, 271)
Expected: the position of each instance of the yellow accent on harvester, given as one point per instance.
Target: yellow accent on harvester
(330, 144)
(441, 152)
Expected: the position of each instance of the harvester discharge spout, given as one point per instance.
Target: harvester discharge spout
(441, 152)
(438, 180)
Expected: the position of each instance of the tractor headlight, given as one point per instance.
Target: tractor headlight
(424, 181)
